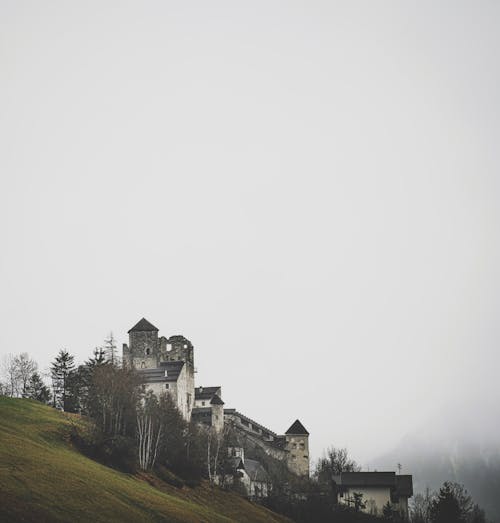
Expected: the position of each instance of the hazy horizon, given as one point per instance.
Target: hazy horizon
(307, 191)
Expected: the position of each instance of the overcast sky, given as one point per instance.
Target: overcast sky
(309, 191)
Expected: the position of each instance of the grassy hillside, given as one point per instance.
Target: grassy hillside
(44, 479)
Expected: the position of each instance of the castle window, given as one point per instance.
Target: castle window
(148, 350)
(169, 347)
(185, 345)
(202, 403)
(143, 365)
(167, 386)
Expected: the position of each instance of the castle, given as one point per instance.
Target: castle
(167, 365)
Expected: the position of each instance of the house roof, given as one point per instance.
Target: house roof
(264, 430)
(297, 429)
(256, 471)
(143, 326)
(368, 479)
(216, 400)
(171, 368)
(235, 463)
(205, 393)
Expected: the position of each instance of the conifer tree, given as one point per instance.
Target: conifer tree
(37, 390)
(60, 370)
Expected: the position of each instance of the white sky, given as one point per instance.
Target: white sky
(307, 190)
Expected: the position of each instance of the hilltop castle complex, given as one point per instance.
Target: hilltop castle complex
(167, 365)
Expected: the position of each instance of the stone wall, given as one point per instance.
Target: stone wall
(298, 453)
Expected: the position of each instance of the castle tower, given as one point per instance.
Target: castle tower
(143, 349)
(297, 444)
(217, 407)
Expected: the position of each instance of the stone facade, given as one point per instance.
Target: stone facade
(167, 366)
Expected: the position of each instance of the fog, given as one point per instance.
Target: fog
(306, 190)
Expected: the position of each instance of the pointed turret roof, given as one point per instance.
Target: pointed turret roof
(297, 429)
(216, 400)
(143, 326)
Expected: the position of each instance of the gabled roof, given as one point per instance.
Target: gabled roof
(368, 479)
(216, 400)
(255, 470)
(143, 326)
(297, 429)
(172, 368)
(205, 393)
(236, 463)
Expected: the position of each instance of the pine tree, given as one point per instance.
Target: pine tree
(60, 370)
(110, 349)
(445, 508)
(37, 390)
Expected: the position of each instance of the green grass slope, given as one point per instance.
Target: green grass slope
(44, 479)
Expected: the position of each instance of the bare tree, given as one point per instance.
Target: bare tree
(25, 368)
(149, 432)
(334, 462)
(11, 376)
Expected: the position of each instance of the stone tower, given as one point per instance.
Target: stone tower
(297, 444)
(142, 351)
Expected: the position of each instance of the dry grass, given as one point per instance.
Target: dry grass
(44, 479)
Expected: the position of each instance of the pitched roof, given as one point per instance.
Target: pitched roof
(235, 463)
(255, 470)
(172, 369)
(205, 393)
(368, 479)
(216, 400)
(143, 326)
(297, 429)
(264, 430)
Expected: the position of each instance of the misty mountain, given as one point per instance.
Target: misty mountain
(457, 446)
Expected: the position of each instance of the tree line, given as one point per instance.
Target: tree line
(129, 428)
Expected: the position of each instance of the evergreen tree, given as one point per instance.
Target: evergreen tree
(37, 390)
(445, 508)
(61, 369)
(110, 349)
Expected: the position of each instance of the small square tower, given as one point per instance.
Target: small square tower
(297, 445)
